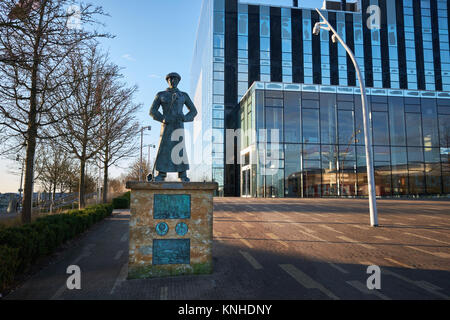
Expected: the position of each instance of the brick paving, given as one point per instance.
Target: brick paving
(277, 249)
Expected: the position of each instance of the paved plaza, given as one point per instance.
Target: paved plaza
(275, 249)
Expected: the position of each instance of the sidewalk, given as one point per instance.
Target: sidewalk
(275, 249)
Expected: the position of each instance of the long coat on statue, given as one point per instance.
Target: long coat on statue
(172, 118)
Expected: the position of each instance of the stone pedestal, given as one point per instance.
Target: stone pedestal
(171, 229)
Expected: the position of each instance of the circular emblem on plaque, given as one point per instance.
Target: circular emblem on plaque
(162, 228)
(181, 229)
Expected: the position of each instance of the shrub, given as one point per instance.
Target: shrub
(122, 202)
(21, 246)
(9, 259)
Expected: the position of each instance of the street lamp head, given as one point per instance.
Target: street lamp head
(316, 30)
(334, 38)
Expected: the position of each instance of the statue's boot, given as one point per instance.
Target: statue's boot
(161, 177)
(183, 177)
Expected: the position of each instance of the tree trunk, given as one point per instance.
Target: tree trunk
(105, 183)
(82, 202)
(27, 203)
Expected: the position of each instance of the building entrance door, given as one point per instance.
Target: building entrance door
(246, 186)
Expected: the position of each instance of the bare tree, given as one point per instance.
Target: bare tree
(33, 48)
(120, 128)
(82, 126)
(134, 172)
(53, 168)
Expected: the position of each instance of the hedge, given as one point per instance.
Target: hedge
(21, 246)
(122, 202)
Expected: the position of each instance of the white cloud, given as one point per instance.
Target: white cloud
(128, 57)
(154, 76)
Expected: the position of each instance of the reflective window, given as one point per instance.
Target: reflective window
(292, 170)
(292, 117)
(414, 129)
(328, 118)
(346, 127)
(397, 121)
(310, 122)
(380, 128)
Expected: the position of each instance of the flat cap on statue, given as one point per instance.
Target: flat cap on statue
(173, 75)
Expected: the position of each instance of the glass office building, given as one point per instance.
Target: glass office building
(308, 141)
(405, 61)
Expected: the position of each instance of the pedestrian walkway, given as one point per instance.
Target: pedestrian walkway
(275, 249)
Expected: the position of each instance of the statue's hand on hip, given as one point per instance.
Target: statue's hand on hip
(174, 118)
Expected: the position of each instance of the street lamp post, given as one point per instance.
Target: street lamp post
(367, 137)
(142, 146)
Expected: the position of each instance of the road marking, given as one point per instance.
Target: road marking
(305, 228)
(118, 255)
(399, 263)
(274, 237)
(421, 284)
(436, 254)
(358, 227)
(164, 293)
(283, 215)
(382, 238)
(311, 236)
(255, 264)
(306, 281)
(435, 232)
(329, 228)
(120, 278)
(340, 269)
(356, 242)
(245, 224)
(362, 288)
(124, 237)
(429, 216)
(416, 235)
(238, 237)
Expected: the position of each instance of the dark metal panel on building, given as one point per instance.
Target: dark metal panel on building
(401, 46)
(254, 67)
(316, 57)
(297, 46)
(436, 45)
(334, 66)
(231, 182)
(419, 45)
(385, 62)
(275, 45)
(349, 36)
(368, 63)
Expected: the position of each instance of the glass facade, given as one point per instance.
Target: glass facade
(308, 141)
(240, 43)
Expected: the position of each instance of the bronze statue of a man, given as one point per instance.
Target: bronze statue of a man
(172, 101)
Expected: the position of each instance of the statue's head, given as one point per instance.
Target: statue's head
(173, 79)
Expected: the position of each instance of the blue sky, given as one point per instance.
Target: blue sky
(153, 38)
